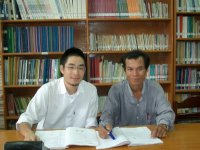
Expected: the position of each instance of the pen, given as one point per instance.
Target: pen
(110, 133)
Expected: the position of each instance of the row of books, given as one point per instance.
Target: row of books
(128, 8)
(157, 72)
(105, 71)
(19, 71)
(187, 78)
(52, 9)
(116, 42)
(188, 5)
(38, 38)
(16, 105)
(187, 52)
(184, 111)
(187, 27)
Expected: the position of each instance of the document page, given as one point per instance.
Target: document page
(120, 140)
(61, 139)
(54, 139)
(139, 136)
(81, 136)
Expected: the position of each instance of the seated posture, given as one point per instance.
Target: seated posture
(136, 100)
(64, 102)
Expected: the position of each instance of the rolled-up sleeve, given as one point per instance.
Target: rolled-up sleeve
(165, 113)
(35, 111)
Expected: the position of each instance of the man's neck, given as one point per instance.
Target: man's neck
(137, 92)
(71, 88)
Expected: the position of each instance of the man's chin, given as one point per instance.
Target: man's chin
(75, 84)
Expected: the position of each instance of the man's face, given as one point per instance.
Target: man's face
(135, 72)
(73, 71)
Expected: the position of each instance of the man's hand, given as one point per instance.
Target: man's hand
(25, 130)
(103, 130)
(30, 136)
(160, 131)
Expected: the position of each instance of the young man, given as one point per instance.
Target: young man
(136, 100)
(67, 101)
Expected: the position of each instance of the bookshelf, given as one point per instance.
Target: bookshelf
(104, 34)
(187, 62)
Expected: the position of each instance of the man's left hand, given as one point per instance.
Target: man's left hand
(160, 131)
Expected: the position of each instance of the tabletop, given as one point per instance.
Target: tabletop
(182, 137)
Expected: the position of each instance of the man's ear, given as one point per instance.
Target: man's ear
(62, 69)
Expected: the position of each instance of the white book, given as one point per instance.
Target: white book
(66, 4)
(22, 9)
(83, 9)
(55, 12)
(61, 139)
(15, 15)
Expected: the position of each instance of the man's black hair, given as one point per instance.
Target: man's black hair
(135, 54)
(71, 52)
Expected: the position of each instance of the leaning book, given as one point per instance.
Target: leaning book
(74, 136)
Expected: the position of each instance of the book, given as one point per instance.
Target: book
(61, 139)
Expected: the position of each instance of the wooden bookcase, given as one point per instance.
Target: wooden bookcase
(117, 26)
(186, 60)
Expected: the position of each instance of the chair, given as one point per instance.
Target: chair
(24, 145)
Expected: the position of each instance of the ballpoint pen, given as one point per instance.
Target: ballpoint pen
(110, 133)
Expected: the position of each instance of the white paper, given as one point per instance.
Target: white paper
(109, 142)
(139, 136)
(81, 136)
(54, 139)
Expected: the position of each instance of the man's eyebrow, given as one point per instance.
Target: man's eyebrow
(71, 64)
(136, 67)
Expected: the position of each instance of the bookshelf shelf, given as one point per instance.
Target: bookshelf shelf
(109, 84)
(128, 19)
(122, 52)
(21, 86)
(12, 117)
(103, 84)
(155, 27)
(187, 67)
(33, 54)
(188, 13)
(43, 21)
(188, 39)
(188, 91)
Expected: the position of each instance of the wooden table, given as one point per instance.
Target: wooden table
(183, 137)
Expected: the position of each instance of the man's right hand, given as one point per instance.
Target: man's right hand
(25, 130)
(30, 136)
(103, 130)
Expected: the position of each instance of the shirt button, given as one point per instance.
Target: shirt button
(138, 105)
(137, 117)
